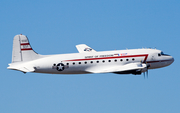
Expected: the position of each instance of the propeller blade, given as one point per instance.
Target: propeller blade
(147, 69)
(144, 74)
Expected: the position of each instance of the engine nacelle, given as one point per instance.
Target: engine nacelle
(134, 72)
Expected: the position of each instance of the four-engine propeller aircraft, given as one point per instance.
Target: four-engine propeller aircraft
(132, 61)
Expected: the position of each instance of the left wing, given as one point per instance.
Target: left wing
(83, 48)
(117, 68)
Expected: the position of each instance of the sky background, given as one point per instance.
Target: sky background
(55, 27)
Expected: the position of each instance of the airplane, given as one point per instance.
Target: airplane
(130, 61)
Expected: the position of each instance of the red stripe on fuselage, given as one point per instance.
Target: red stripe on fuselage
(127, 56)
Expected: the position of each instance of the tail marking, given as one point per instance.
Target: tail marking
(25, 46)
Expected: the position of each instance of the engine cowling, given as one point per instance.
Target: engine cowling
(134, 72)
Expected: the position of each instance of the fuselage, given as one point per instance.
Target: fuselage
(77, 63)
(88, 60)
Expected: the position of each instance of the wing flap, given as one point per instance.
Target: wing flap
(117, 68)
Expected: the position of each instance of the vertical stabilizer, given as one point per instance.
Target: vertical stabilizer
(22, 50)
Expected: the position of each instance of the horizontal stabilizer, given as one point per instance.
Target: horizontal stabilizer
(83, 48)
(22, 68)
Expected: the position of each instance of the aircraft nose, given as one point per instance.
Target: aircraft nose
(169, 60)
(172, 59)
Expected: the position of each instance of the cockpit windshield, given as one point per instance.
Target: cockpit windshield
(159, 54)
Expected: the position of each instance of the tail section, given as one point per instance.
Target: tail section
(22, 50)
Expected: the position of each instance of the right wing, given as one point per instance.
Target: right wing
(83, 48)
(117, 68)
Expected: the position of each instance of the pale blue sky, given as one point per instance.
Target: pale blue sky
(55, 27)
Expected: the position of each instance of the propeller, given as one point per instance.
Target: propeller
(146, 71)
(147, 66)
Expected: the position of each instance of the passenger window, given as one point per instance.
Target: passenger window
(133, 59)
(103, 61)
(109, 60)
(73, 63)
(85, 62)
(91, 61)
(127, 59)
(79, 62)
(67, 63)
(121, 60)
(97, 61)
(115, 60)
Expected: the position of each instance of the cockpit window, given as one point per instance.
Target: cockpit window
(162, 54)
